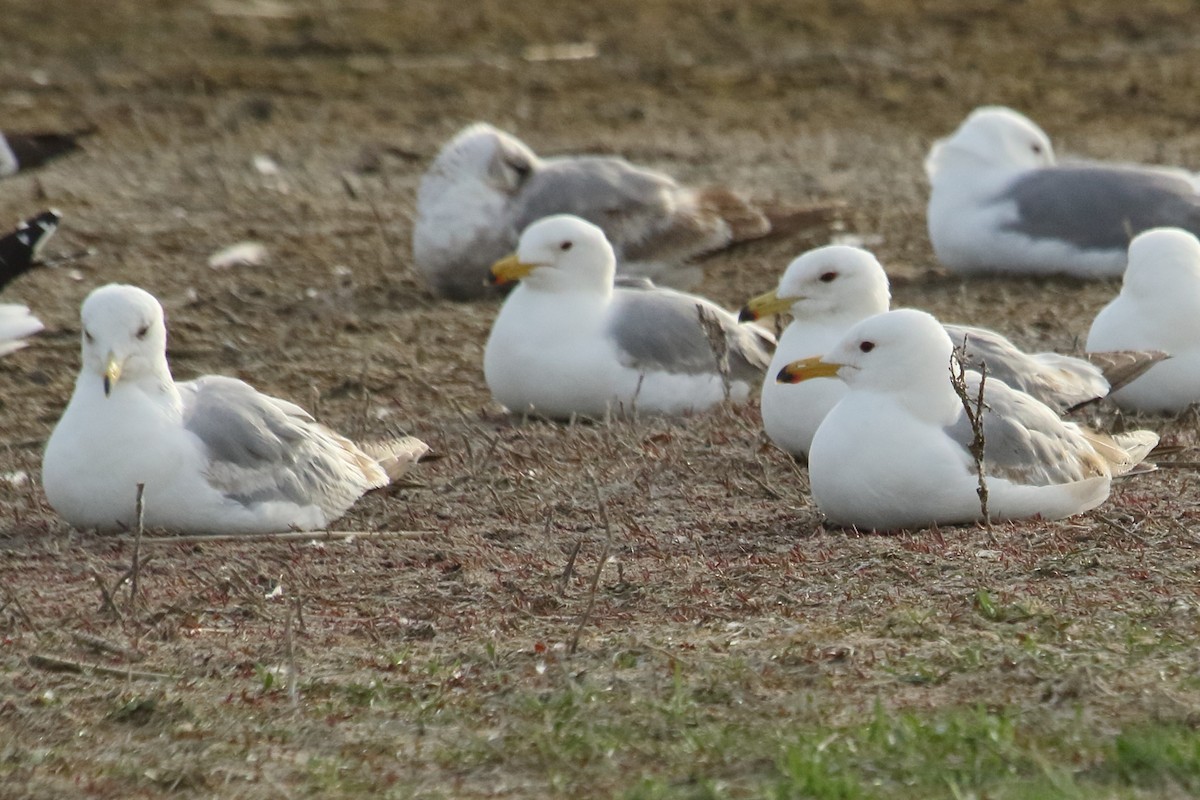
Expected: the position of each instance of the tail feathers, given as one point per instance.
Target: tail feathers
(788, 220)
(1122, 367)
(396, 456)
(749, 220)
(745, 220)
(1123, 451)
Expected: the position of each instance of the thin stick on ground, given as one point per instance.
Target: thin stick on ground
(973, 408)
(135, 567)
(293, 680)
(591, 601)
(15, 602)
(102, 645)
(54, 664)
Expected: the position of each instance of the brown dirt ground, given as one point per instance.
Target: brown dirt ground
(714, 544)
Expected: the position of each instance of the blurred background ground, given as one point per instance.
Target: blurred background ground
(734, 646)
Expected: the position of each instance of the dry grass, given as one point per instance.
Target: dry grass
(713, 639)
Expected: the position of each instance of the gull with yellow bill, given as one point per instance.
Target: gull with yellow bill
(568, 342)
(214, 455)
(894, 452)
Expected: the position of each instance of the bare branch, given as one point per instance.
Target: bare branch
(973, 408)
(717, 343)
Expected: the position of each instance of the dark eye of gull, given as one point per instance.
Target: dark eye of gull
(1037, 148)
(565, 246)
(866, 347)
(88, 336)
(828, 277)
(142, 331)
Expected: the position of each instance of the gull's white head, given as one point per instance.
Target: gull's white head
(825, 282)
(896, 351)
(124, 337)
(484, 156)
(1163, 263)
(992, 136)
(560, 253)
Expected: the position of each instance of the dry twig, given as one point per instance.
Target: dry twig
(718, 344)
(53, 664)
(591, 603)
(974, 410)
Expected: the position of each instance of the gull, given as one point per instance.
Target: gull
(486, 186)
(568, 342)
(894, 452)
(829, 289)
(21, 152)
(16, 323)
(215, 455)
(1000, 202)
(1158, 307)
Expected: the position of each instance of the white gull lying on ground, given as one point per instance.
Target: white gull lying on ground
(1000, 202)
(16, 323)
(1158, 307)
(893, 453)
(829, 289)
(566, 341)
(486, 186)
(215, 455)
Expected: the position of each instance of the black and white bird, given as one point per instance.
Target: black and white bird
(20, 249)
(18, 253)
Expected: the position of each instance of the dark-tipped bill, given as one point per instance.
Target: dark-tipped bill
(112, 373)
(765, 305)
(807, 368)
(509, 270)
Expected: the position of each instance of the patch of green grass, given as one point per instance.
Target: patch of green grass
(1156, 755)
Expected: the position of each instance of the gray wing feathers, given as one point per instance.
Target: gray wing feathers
(1100, 207)
(624, 200)
(660, 330)
(1025, 442)
(1059, 381)
(263, 449)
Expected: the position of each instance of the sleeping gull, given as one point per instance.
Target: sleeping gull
(566, 341)
(893, 453)
(829, 289)
(215, 455)
(1158, 307)
(486, 186)
(1000, 202)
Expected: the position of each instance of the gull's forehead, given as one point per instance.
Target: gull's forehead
(119, 306)
(558, 229)
(842, 259)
